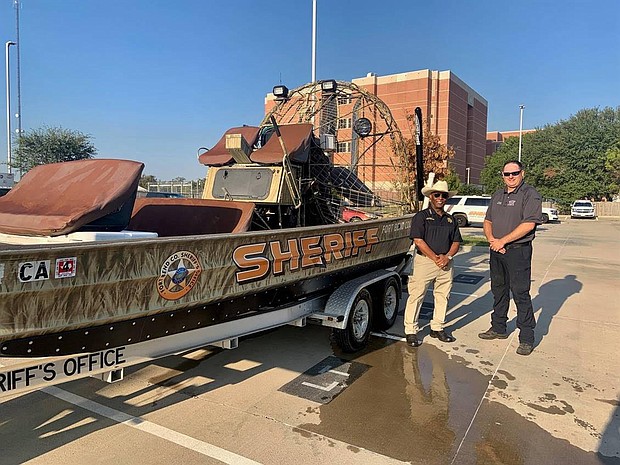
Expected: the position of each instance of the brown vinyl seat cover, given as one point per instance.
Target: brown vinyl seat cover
(298, 140)
(186, 217)
(218, 155)
(60, 198)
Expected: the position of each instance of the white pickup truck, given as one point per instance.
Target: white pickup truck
(468, 209)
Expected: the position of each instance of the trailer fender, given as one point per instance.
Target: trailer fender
(340, 302)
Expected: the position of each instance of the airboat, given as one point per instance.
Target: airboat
(85, 266)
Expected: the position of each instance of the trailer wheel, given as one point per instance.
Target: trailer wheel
(387, 308)
(355, 336)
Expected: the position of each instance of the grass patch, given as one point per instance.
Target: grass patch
(475, 240)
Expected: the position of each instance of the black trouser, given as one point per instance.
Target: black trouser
(512, 272)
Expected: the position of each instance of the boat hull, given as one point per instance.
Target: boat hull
(124, 288)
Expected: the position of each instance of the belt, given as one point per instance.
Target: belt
(516, 246)
(420, 253)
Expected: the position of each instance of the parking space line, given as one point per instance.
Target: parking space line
(146, 426)
(341, 373)
(322, 388)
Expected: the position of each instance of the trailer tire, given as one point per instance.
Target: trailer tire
(388, 305)
(355, 336)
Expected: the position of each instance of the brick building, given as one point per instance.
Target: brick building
(496, 138)
(458, 114)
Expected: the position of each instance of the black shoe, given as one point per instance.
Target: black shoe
(442, 336)
(413, 341)
(490, 334)
(525, 348)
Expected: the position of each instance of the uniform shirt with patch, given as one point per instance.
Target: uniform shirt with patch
(509, 209)
(439, 232)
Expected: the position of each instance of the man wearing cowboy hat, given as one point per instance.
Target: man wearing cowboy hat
(437, 238)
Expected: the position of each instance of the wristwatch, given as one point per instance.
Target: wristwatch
(450, 257)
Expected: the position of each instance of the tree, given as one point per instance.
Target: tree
(51, 145)
(565, 161)
(612, 164)
(145, 179)
(455, 184)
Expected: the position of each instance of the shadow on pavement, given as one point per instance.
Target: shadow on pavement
(551, 296)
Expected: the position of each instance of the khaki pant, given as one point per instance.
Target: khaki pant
(425, 272)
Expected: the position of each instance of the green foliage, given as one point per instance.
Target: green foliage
(565, 161)
(455, 184)
(612, 164)
(145, 179)
(51, 145)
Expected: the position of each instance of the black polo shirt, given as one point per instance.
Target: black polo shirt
(509, 209)
(439, 232)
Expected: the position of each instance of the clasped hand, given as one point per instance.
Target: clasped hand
(442, 261)
(497, 245)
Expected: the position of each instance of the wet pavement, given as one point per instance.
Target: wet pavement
(290, 396)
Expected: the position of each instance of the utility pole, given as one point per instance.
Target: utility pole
(521, 107)
(8, 108)
(313, 40)
(18, 74)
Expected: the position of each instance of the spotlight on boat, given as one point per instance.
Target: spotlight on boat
(328, 86)
(280, 92)
(362, 127)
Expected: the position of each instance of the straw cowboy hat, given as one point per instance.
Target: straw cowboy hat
(439, 186)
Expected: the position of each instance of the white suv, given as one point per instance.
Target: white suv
(468, 209)
(582, 209)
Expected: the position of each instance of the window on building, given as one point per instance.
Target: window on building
(344, 146)
(344, 123)
(344, 100)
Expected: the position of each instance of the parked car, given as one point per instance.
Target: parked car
(167, 195)
(350, 214)
(582, 209)
(468, 209)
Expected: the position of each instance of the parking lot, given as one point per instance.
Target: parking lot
(290, 396)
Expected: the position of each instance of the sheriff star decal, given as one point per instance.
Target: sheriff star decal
(178, 275)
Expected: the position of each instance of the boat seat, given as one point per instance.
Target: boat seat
(186, 217)
(298, 140)
(219, 156)
(61, 198)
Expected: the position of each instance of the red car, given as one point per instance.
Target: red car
(350, 214)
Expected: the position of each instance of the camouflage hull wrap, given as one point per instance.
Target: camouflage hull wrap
(55, 290)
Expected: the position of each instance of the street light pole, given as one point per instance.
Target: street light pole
(313, 40)
(521, 107)
(8, 108)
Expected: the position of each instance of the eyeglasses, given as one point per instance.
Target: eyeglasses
(511, 173)
(443, 195)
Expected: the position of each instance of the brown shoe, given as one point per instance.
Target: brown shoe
(490, 334)
(413, 341)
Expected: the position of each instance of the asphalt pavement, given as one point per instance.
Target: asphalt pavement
(289, 396)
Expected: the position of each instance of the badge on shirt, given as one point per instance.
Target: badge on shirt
(449, 220)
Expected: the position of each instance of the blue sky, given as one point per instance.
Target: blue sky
(154, 80)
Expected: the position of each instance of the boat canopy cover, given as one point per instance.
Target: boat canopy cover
(60, 198)
(186, 217)
(218, 155)
(298, 139)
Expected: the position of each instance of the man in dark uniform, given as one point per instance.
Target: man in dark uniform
(437, 239)
(510, 226)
